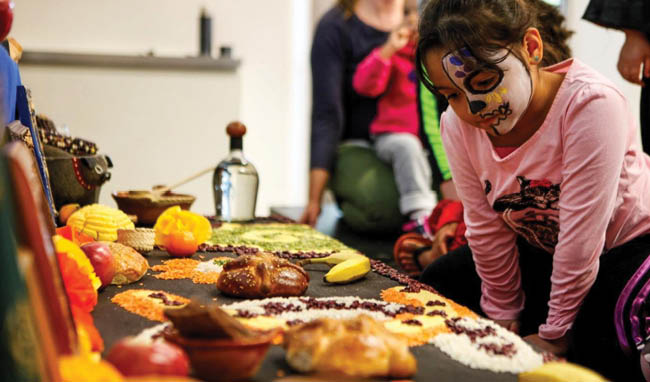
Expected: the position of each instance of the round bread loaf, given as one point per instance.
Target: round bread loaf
(262, 275)
(130, 266)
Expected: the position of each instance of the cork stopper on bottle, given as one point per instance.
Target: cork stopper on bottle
(236, 129)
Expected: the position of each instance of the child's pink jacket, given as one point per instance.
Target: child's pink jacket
(395, 81)
(579, 186)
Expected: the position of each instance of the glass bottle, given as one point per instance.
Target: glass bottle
(235, 181)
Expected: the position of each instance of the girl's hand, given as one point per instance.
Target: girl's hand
(445, 234)
(635, 53)
(512, 325)
(558, 346)
(396, 41)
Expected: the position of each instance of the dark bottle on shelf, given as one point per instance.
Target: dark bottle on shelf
(235, 181)
(205, 33)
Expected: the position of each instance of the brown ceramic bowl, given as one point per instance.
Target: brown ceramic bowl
(224, 359)
(146, 207)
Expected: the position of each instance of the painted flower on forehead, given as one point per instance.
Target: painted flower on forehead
(497, 91)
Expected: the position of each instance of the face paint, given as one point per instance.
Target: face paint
(499, 93)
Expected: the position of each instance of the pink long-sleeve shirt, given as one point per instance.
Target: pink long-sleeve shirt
(395, 80)
(578, 187)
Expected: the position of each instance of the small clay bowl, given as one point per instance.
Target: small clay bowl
(224, 359)
(147, 207)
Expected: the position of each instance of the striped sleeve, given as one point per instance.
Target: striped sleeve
(431, 130)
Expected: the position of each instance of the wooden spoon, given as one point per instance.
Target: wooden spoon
(159, 192)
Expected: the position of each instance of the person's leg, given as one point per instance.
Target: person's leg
(454, 276)
(536, 266)
(604, 322)
(365, 191)
(411, 170)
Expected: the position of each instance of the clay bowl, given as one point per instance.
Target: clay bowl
(224, 359)
(146, 207)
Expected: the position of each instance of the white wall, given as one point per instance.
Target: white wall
(269, 93)
(599, 48)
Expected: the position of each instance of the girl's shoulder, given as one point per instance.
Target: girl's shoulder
(582, 82)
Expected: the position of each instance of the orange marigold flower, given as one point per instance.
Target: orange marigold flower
(80, 290)
(74, 235)
(72, 251)
(84, 322)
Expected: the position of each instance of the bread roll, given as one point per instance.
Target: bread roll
(359, 348)
(130, 266)
(262, 275)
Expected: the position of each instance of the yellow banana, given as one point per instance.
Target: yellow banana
(349, 270)
(333, 259)
(560, 372)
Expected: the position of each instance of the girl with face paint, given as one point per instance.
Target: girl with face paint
(555, 187)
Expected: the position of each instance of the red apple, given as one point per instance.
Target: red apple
(102, 260)
(132, 358)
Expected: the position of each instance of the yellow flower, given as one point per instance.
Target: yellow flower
(174, 219)
(72, 250)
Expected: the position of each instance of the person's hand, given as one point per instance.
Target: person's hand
(635, 53)
(511, 325)
(310, 214)
(445, 234)
(396, 41)
(558, 346)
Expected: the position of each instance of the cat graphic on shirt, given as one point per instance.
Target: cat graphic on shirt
(533, 212)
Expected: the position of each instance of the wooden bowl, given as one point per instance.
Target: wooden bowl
(224, 359)
(146, 207)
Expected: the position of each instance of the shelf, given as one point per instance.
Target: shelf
(129, 62)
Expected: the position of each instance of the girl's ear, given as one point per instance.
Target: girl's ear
(533, 46)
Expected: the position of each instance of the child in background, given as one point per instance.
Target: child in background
(555, 187)
(389, 71)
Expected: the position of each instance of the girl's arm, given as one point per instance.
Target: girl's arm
(595, 138)
(492, 242)
(372, 74)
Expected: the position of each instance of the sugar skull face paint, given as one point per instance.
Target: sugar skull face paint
(498, 93)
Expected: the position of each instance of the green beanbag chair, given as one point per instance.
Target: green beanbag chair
(365, 190)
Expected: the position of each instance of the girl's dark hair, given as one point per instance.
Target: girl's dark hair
(486, 26)
(551, 25)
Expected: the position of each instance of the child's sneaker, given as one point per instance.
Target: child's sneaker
(420, 226)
